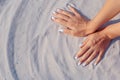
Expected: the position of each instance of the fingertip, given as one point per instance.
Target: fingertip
(79, 63)
(53, 18)
(80, 44)
(84, 64)
(95, 64)
(60, 30)
(97, 61)
(75, 57)
(54, 12)
(70, 5)
(99, 58)
(59, 10)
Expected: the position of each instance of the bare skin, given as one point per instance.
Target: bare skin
(78, 25)
(93, 47)
(97, 42)
(75, 23)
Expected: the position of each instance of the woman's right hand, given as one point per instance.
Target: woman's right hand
(93, 47)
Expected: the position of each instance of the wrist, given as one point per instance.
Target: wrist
(107, 33)
(91, 27)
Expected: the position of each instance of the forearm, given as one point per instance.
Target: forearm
(109, 10)
(112, 31)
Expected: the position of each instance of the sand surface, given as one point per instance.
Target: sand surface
(31, 48)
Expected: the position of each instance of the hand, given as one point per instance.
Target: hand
(93, 47)
(75, 24)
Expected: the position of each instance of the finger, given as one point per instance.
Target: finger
(82, 51)
(85, 38)
(84, 42)
(86, 55)
(68, 31)
(91, 58)
(64, 12)
(60, 21)
(99, 58)
(61, 16)
(73, 10)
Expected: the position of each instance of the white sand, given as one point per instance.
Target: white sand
(31, 48)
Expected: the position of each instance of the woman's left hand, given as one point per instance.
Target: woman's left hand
(93, 47)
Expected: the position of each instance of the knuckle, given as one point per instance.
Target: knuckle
(73, 33)
(67, 24)
(72, 25)
(69, 20)
(81, 60)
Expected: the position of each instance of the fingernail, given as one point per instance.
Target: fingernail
(95, 64)
(60, 30)
(84, 64)
(58, 10)
(75, 57)
(53, 18)
(79, 63)
(54, 12)
(68, 6)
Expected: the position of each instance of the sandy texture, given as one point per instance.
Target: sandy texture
(31, 48)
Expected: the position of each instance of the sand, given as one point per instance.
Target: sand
(31, 48)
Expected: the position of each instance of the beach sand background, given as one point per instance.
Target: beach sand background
(31, 48)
